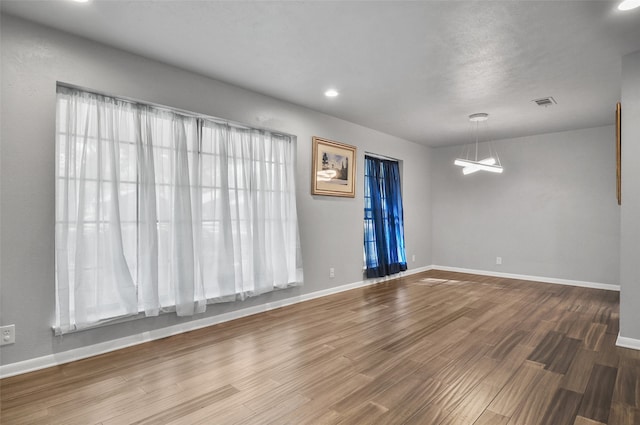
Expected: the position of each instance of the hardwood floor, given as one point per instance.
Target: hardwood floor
(435, 348)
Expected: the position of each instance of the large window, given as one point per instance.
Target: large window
(383, 218)
(157, 210)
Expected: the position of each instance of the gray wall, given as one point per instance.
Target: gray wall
(34, 58)
(552, 213)
(630, 217)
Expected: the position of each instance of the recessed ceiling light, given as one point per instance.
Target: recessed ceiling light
(81, 1)
(629, 4)
(331, 93)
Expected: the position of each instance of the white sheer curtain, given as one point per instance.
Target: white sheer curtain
(169, 267)
(248, 182)
(94, 205)
(160, 211)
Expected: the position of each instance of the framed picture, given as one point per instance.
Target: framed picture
(618, 153)
(333, 169)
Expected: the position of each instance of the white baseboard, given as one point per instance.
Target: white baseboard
(580, 283)
(625, 342)
(68, 356)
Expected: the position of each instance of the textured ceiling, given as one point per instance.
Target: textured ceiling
(412, 69)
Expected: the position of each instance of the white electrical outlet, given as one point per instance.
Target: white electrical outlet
(332, 272)
(7, 334)
(413, 258)
(498, 260)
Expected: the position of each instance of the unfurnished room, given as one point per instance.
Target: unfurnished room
(320, 212)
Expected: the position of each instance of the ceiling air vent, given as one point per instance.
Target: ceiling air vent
(545, 101)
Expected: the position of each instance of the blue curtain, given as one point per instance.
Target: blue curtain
(383, 218)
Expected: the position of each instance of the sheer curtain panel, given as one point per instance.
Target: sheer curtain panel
(158, 211)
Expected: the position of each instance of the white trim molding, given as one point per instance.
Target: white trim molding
(68, 356)
(625, 342)
(580, 283)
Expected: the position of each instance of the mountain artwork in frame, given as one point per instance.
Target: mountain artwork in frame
(333, 168)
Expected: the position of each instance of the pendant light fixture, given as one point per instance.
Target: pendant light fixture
(471, 163)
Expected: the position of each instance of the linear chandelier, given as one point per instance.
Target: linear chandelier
(473, 164)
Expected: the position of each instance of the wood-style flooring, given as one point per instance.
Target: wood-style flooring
(435, 348)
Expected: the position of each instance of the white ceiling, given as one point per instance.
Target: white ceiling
(412, 69)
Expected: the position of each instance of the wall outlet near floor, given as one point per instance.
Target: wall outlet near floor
(413, 258)
(498, 260)
(332, 272)
(7, 334)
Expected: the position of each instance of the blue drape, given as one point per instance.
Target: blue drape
(383, 219)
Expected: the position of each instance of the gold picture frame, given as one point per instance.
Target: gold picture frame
(333, 171)
(619, 153)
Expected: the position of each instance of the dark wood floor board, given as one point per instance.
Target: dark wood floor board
(627, 388)
(563, 408)
(437, 348)
(563, 355)
(549, 345)
(596, 401)
(507, 343)
(577, 376)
